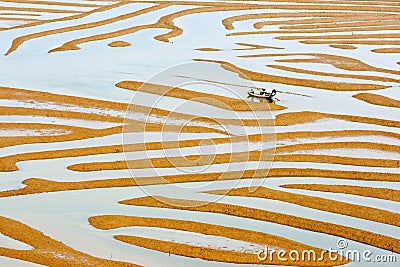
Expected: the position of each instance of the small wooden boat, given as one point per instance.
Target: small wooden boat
(262, 93)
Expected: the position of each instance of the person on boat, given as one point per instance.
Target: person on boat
(263, 91)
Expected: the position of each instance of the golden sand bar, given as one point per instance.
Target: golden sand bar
(68, 18)
(119, 44)
(264, 155)
(330, 74)
(59, 114)
(350, 161)
(333, 145)
(393, 50)
(340, 62)
(44, 10)
(173, 162)
(108, 222)
(367, 20)
(8, 163)
(47, 251)
(304, 21)
(20, 14)
(74, 133)
(208, 49)
(209, 99)
(62, 100)
(379, 36)
(358, 235)
(316, 17)
(339, 29)
(263, 77)
(51, 3)
(292, 118)
(80, 133)
(21, 39)
(18, 19)
(351, 3)
(352, 42)
(37, 186)
(378, 100)
(381, 193)
(347, 47)
(256, 46)
(29, 95)
(165, 22)
(319, 203)
(73, 44)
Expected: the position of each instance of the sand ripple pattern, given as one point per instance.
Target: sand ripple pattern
(332, 170)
